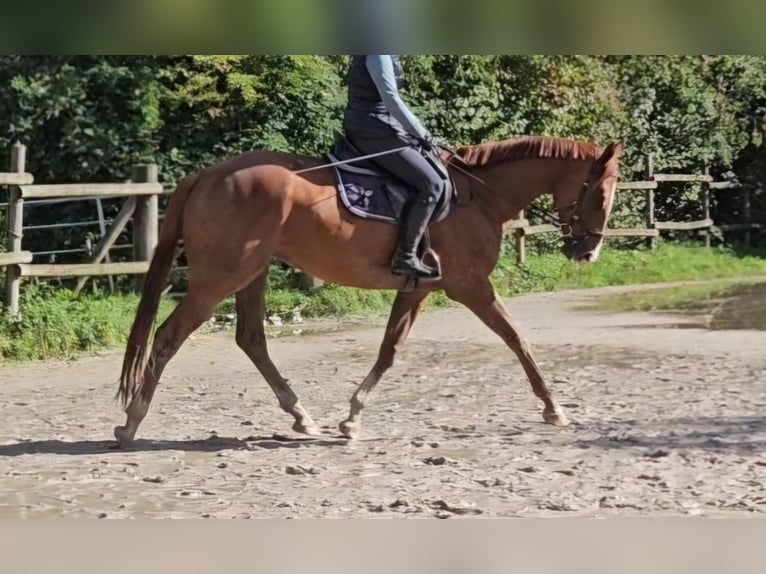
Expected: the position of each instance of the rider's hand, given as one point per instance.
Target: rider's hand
(427, 143)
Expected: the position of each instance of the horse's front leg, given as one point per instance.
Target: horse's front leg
(484, 303)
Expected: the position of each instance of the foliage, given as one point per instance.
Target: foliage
(54, 323)
(83, 118)
(567, 96)
(457, 96)
(678, 113)
(219, 106)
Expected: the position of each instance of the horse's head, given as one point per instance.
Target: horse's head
(584, 213)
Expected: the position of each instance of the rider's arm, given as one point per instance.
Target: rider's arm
(382, 71)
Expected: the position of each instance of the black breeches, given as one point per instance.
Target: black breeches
(408, 165)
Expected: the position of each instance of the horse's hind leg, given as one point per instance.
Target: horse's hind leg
(403, 313)
(193, 310)
(251, 338)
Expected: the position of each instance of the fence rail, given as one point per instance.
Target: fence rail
(82, 269)
(94, 190)
(8, 178)
(16, 257)
(140, 206)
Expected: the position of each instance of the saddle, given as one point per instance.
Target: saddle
(370, 192)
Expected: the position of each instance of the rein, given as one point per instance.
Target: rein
(353, 160)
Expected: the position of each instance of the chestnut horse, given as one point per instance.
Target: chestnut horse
(235, 216)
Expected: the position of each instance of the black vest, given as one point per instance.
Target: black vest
(365, 107)
(362, 93)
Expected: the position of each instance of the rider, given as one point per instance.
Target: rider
(375, 120)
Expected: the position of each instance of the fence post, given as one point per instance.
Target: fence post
(521, 247)
(746, 213)
(706, 205)
(15, 228)
(102, 228)
(145, 217)
(649, 174)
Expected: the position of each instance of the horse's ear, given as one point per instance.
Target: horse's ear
(612, 151)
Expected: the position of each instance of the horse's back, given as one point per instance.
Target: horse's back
(259, 158)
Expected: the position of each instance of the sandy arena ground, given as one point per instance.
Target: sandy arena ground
(665, 421)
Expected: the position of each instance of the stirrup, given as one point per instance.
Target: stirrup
(413, 282)
(401, 267)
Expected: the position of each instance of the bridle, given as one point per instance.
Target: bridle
(566, 227)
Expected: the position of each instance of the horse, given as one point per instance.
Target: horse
(236, 216)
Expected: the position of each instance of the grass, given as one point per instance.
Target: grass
(681, 297)
(669, 262)
(54, 323)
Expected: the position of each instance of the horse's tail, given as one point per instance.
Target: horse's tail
(136, 356)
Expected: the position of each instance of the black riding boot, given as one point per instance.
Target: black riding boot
(406, 260)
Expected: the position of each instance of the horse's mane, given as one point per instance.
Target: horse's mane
(527, 147)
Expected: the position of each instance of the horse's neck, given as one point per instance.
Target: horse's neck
(512, 186)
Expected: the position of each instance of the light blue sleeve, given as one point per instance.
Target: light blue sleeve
(381, 70)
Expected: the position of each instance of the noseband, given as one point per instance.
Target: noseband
(566, 226)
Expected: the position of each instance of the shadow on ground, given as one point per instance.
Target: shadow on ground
(746, 434)
(212, 444)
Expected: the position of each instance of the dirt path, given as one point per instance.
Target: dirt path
(666, 421)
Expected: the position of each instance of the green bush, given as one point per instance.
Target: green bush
(54, 323)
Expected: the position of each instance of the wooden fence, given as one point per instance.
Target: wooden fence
(141, 205)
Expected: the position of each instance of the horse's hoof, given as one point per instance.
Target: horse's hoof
(309, 428)
(350, 429)
(124, 438)
(556, 418)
